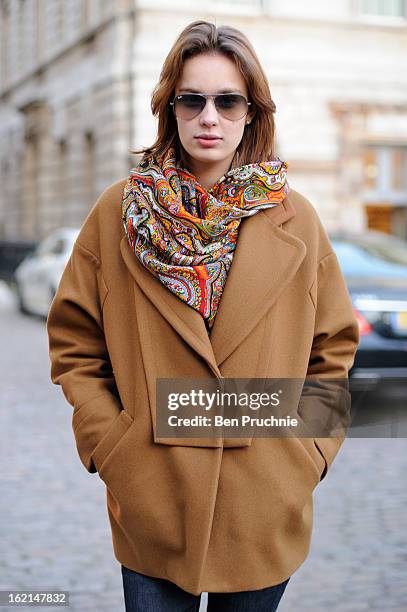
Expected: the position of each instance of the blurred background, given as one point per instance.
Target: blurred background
(76, 78)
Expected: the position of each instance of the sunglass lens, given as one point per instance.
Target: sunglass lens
(232, 106)
(189, 105)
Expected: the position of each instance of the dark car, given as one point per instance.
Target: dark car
(375, 268)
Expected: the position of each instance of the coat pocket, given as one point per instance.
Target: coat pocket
(111, 440)
(322, 462)
(314, 456)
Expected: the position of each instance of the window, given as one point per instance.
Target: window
(385, 173)
(4, 42)
(370, 167)
(384, 8)
(63, 183)
(89, 168)
(385, 188)
(398, 177)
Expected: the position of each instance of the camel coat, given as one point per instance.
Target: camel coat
(217, 515)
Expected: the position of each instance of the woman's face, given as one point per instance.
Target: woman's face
(211, 73)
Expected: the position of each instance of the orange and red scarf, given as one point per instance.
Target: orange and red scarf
(186, 235)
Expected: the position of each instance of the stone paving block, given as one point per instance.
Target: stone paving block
(54, 527)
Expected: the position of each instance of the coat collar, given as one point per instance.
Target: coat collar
(265, 260)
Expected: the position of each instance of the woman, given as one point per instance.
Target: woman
(202, 264)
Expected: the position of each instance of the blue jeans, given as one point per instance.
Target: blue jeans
(147, 594)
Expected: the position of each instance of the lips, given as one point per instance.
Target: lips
(208, 142)
(208, 137)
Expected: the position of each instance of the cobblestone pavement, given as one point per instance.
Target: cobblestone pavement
(54, 528)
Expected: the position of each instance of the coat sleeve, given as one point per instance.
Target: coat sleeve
(79, 357)
(325, 402)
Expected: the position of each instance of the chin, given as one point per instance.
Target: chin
(208, 155)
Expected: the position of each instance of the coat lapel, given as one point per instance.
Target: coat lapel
(184, 319)
(266, 259)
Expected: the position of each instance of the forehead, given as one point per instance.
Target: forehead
(214, 73)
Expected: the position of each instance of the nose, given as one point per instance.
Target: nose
(209, 115)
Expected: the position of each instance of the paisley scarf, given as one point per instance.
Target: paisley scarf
(185, 235)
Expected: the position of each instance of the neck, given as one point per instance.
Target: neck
(207, 173)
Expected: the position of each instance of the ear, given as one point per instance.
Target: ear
(250, 116)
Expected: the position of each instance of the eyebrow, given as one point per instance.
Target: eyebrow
(224, 90)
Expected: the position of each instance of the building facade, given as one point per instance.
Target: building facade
(76, 78)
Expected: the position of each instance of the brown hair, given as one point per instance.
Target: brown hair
(257, 143)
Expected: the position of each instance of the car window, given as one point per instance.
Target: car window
(59, 247)
(56, 245)
(371, 259)
(45, 247)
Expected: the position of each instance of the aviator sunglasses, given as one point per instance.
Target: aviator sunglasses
(229, 105)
